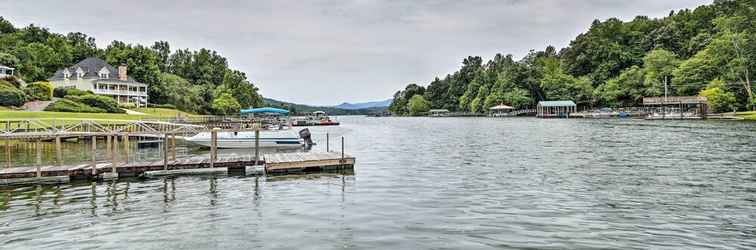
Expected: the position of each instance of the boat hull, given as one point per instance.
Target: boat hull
(247, 140)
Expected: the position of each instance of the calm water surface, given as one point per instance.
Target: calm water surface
(423, 183)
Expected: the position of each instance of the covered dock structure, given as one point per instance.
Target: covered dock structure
(555, 109)
(676, 107)
(500, 110)
(438, 112)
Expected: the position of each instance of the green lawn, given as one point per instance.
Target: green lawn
(68, 117)
(751, 115)
(163, 112)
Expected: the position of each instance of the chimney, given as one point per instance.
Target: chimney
(122, 72)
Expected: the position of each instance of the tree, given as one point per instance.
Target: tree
(177, 91)
(719, 99)
(658, 66)
(8, 60)
(244, 91)
(224, 104)
(417, 105)
(163, 51)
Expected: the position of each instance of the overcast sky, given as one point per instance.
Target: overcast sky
(330, 51)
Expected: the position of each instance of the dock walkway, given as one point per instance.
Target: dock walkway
(279, 163)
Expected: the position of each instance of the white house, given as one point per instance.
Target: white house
(98, 76)
(6, 71)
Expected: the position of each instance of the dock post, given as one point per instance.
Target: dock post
(213, 146)
(173, 147)
(107, 146)
(327, 142)
(7, 153)
(257, 145)
(342, 150)
(165, 151)
(39, 158)
(114, 154)
(58, 151)
(38, 147)
(126, 148)
(94, 156)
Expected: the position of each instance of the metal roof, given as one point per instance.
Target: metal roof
(556, 104)
(265, 110)
(501, 107)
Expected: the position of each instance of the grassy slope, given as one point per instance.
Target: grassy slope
(163, 112)
(748, 115)
(150, 113)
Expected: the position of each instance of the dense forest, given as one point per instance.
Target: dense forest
(709, 51)
(194, 81)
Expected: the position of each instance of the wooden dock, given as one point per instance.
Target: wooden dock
(307, 162)
(280, 163)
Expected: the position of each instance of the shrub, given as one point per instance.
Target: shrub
(62, 92)
(39, 91)
(66, 105)
(102, 102)
(74, 98)
(127, 105)
(59, 92)
(10, 95)
(12, 80)
(164, 106)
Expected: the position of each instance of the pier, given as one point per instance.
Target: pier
(33, 131)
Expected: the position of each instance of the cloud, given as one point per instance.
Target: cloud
(329, 51)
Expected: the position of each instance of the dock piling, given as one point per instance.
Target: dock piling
(107, 146)
(114, 154)
(38, 148)
(213, 146)
(173, 147)
(94, 155)
(342, 149)
(39, 158)
(58, 151)
(327, 142)
(165, 152)
(257, 146)
(7, 153)
(126, 148)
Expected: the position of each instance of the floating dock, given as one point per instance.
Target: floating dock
(279, 163)
(307, 162)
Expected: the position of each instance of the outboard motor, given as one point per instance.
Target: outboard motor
(305, 134)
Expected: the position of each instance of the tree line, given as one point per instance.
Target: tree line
(195, 81)
(708, 51)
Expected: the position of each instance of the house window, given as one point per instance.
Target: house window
(104, 76)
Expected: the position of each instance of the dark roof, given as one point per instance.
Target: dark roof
(91, 67)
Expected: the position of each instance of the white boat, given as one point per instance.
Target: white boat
(286, 138)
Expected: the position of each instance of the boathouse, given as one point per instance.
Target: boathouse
(500, 110)
(438, 112)
(555, 109)
(676, 107)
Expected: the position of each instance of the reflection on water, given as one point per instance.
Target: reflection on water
(424, 183)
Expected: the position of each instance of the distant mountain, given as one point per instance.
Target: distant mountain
(365, 105)
(303, 109)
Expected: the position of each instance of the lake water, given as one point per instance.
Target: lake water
(425, 183)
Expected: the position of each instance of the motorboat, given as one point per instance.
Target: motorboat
(285, 138)
(317, 118)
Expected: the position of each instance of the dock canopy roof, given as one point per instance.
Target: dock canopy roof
(265, 110)
(501, 107)
(556, 104)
